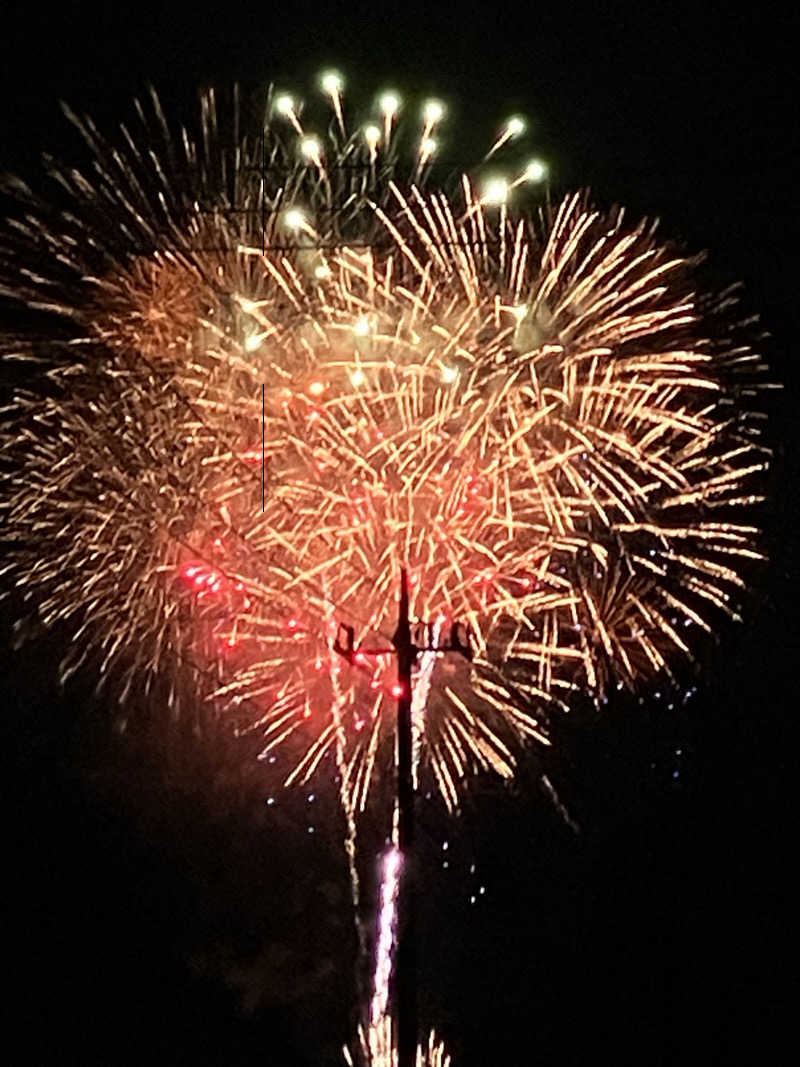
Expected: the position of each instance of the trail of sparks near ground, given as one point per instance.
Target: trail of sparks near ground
(351, 832)
(433, 1054)
(391, 867)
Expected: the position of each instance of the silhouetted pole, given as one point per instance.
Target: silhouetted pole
(406, 958)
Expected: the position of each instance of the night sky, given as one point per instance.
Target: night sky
(161, 911)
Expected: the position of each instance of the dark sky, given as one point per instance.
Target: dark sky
(156, 922)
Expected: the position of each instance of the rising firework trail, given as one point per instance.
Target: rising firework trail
(262, 369)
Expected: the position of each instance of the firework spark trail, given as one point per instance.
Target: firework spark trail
(376, 1048)
(543, 423)
(351, 832)
(559, 805)
(422, 680)
(391, 866)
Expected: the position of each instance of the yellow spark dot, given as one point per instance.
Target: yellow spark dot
(362, 326)
(322, 271)
(427, 147)
(284, 104)
(535, 171)
(433, 110)
(331, 82)
(515, 126)
(495, 191)
(310, 147)
(372, 135)
(358, 377)
(316, 388)
(389, 103)
(252, 342)
(294, 219)
(449, 374)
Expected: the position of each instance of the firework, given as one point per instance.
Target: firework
(376, 1047)
(268, 368)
